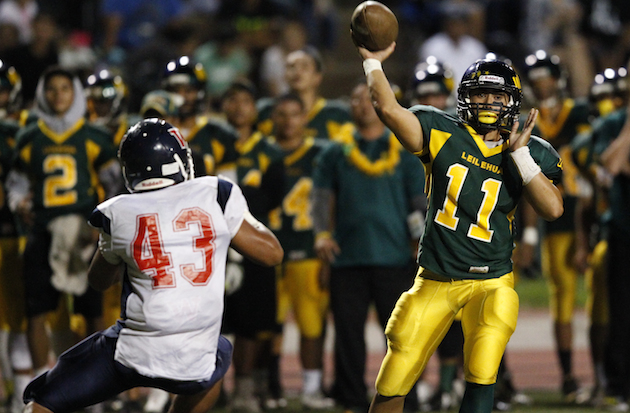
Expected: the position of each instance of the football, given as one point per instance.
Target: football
(373, 26)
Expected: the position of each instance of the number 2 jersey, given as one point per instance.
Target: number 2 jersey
(473, 194)
(174, 244)
(63, 168)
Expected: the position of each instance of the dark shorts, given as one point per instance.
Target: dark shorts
(251, 311)
(40, 295)
(87, 374)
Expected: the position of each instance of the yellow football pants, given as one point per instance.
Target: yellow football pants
(556, 261)
(298, 287)
(423, 315)
(595, 275)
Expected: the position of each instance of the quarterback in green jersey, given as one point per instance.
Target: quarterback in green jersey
(478, 166)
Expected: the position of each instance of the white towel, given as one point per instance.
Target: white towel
(71, 249)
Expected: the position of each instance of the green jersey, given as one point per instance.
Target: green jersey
(260, 174)
(213, 146)
(573, 119)
(292, 222)
(325, 118)
(473, 194)
(8, 131)
(584, 158)
(63, 168)
(372, 204)
(619, 192)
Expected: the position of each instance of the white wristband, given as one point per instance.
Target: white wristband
(530, 236)
(371, 64)
(526, 165)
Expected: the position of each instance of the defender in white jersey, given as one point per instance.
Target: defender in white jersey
(168, 241)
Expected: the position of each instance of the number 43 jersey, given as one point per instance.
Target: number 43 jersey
(174, 243)
(473, 191)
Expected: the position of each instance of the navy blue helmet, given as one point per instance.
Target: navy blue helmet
(489, 75)
(154, 154)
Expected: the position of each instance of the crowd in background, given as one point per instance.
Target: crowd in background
(249, 84)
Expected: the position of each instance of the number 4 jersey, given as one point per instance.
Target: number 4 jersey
(174, 244)
(473, 194)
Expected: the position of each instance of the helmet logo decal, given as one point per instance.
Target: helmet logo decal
(492, 79)
(178, 136)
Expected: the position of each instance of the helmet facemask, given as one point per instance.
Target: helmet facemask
(486, 117)
(493, 76)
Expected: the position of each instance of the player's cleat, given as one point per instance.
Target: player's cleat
(245, 405)
(425, 391)
(274, 403)
(614, 404)
(522, 398)
(157, 401)
(597, 396)
(569, 389)
(317, 401)
(572, 392)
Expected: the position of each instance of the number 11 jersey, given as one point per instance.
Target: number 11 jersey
(473, 193)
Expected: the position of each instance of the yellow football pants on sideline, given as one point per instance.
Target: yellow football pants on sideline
(298, 288)
(556, 254)
(596, 283)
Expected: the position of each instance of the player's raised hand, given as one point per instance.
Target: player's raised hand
(379, 55)
(518, 140)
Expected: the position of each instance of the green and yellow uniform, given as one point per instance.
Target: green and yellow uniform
(465, 257)
(12, 315)
(298, 277)
(558, 236)
(260, 174)
(595, 274)
(212, 143)
(63, 168)
(324, 119)
(250, 304)
(617, 356)
(63, 172)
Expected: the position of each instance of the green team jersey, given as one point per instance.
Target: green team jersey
(292, 221)
(63, 168)
(213, 146)
(584, 158)
(371, 210)
(325, 118)
(8, 130)
(573, 119)
(260, 174)
(619, 192)
(473, 194)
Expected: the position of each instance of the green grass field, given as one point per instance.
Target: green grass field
(533, 293)
(544, 402)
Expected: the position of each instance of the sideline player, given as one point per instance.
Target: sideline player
(479, 166)
(561, 119)
(304, 74)
(168, 240)
(299, 283)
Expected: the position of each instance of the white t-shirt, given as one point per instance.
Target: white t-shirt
(457, 56)
(174, 242)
